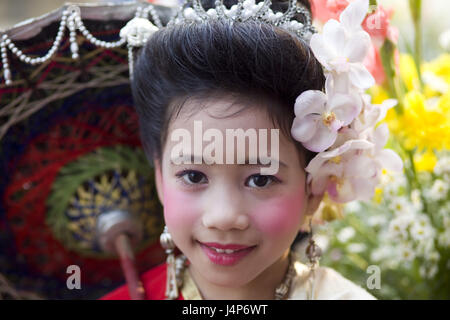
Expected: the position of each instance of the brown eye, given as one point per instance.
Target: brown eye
(260, 181)
(192, 177)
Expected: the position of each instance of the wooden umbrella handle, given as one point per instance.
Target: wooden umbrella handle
(126, 255)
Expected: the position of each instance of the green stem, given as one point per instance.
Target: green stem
(387, 53)
(417, 184)
(416, 14)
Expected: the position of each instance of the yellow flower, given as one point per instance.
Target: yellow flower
(421, 125)
(392, 119)
(425, 161)
(444, 104)
(378, 196)
(378, 94)
(328, 211)
(408, 72)
(436, 76)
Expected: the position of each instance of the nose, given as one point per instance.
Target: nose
(225, 210)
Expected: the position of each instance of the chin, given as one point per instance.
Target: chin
(229, 281)
(234, 277)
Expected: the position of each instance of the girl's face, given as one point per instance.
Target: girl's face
(216, 205)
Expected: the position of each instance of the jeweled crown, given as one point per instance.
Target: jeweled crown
(244, 10)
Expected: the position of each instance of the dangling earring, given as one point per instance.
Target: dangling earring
(169, 246)
(313, 251)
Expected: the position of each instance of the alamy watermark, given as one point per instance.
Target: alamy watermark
(374, 280)
(375, 18)
(212, 153)
(74, 280)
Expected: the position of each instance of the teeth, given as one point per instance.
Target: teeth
(224, 250)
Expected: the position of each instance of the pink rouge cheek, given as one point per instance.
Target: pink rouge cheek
(278, 215)
(180, 208)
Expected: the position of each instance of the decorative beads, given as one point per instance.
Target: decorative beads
(70, 18)
(72, 31)
(6, 71)
(154, 15)
(242, 11)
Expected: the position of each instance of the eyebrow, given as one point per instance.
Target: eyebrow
(246, 161)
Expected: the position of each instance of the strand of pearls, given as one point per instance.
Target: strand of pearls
(70, 18)
(128, 30)
(243, 10)
(73, 34)
(154, 14)
(7, 43)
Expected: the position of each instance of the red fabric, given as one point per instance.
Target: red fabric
(154, 281)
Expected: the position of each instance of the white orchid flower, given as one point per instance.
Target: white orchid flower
(345, 172)
(384, 158)
(371, 114)
(340, 123)
(353, 15)
(353, 170)
(342, 46)
(364, 127)
(320, 115)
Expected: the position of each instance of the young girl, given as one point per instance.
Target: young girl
(233, 224)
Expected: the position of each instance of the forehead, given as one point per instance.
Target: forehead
(230, 113)
(222, 113)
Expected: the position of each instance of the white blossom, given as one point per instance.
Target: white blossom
(406, 252)
(425, 247)
(381, 253)
(356, 247)
(398, 227)
(377, 220)
(346, 234)
(416, 200)
(442, 168)
(444, 239)
(401, 206)
(428, 271)
(352, 206)
(319, 116)
(420, 232)
(342, 46)
(439, 190)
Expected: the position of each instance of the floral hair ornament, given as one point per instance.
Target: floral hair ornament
(340, 123)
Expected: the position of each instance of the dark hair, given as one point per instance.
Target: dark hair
(216, 58)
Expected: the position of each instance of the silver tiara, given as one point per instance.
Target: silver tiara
(139, 29)
(245, 10)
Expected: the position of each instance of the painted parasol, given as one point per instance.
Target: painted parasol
(76, 187)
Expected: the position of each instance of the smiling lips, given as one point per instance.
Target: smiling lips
(226, 255)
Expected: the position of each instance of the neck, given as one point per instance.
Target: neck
(260, 288)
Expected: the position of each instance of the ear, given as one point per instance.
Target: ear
(158, 180)
(312, 204)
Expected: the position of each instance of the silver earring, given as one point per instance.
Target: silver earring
(171, 283)
(313, 251)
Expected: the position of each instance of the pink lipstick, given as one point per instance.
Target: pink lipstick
(225, 255)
